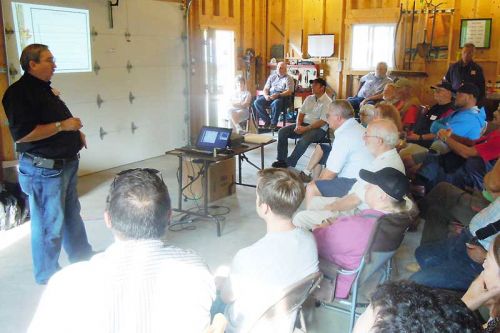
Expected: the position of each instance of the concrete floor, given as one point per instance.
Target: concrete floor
(19, 295)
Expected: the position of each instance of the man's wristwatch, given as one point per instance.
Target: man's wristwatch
(58, 126)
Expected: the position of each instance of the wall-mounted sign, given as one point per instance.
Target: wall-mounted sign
(476, 31)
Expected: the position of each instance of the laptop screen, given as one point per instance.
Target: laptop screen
(213, 137)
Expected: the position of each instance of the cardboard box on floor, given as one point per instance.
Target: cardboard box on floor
(221, 179)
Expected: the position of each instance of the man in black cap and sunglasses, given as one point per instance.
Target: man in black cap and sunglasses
(139, 283)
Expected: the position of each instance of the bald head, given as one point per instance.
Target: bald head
(281, 67)
(387, 131)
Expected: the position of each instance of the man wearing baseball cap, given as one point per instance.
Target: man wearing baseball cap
(343, 240)
(311, 126)
(468, 120)
(421, 133)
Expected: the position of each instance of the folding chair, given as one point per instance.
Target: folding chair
(276, 318)
(376, 264)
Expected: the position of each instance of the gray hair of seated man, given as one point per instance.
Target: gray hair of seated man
(386, 130)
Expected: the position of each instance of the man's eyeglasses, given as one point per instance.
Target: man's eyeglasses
(365, 135)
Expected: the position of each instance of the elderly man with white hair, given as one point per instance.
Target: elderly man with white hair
(278, 87)
(380, 138)
(372, 87)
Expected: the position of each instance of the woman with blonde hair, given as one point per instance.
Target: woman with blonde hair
(408, 103)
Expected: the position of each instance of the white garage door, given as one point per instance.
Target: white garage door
(147, 36)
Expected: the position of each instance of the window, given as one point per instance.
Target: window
(372, 43)
(64, 30)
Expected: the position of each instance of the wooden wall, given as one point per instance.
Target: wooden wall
(263, 23)
(6, 144)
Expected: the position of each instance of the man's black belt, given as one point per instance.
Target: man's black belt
(49, 163)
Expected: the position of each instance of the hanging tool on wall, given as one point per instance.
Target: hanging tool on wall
(411, 33)
(396, 34)
(432, 29)
(423, 48)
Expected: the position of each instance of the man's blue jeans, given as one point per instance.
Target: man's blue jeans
(446, 264)
(277, 107)
(306, 139)
(55, 216)
(355, 102)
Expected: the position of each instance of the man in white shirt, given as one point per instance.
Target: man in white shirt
(139, 284)
(381, 137)
(279, 86)
(311, 126)
(284, 256)
(347, 157)
(372, 87)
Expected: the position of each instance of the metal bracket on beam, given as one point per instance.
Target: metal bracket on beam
(12, 70)
(102, 133)
(99, 101)
(133, 127)
(96, 68)
(9, 30)
(131, 97)
(93, 33)
(129, 66)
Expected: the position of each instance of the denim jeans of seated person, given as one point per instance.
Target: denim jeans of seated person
(446, 264)
(55, 216)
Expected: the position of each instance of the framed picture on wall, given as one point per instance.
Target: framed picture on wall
(476, 31)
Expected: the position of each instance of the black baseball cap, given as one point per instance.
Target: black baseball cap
(469, 88)
(391, 181)
(445, 85)
(318, 80)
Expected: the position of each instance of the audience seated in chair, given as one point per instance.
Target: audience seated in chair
(285, 255)
(466, 164)
(311, 126)
(322, 151)
(343, 241)
(420, 138)
(468, 121)
(380, 138)
(279, 86)
(453, 263)
(240, 102)
(139, 283)
(404, 306)
(348, 154)
(372, 86)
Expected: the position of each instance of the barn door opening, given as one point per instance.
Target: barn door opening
(219, 74)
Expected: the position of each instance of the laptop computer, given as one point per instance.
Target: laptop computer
(210, 138)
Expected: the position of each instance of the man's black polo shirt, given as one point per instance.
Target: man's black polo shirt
(424, 122)
(30, 102)
(473, 73)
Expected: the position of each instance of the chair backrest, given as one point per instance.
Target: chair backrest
(385, 240)
(287, 305)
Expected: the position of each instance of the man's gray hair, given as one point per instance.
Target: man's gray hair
(383, 63)
(31, 53)
(342, 108)
(386, 130)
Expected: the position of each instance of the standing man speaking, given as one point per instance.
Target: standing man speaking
(48, 139)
